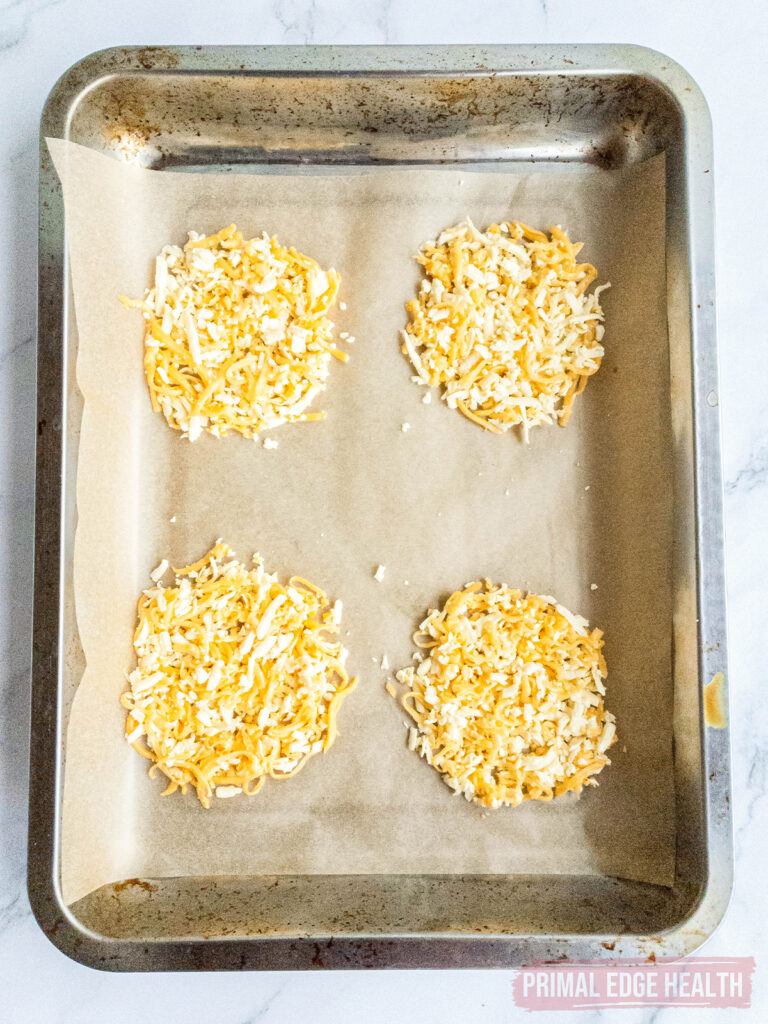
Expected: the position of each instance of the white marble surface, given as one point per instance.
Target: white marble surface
(723, 46)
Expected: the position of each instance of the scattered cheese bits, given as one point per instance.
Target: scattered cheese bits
(503, 321)
(509, 704)
(269, 443)
(378, 574)
(237, 336)
(405, 427)
(238, 677)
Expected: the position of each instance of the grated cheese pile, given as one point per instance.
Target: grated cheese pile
(238, 677)
(509, 704)
(237, 336)
(503, 320)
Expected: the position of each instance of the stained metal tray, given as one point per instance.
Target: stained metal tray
(209, 107)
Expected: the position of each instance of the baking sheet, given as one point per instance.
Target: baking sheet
(439, 505)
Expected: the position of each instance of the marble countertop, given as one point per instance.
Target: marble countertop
(723, 47)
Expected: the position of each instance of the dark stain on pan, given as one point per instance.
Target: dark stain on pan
(156, 57)
(136, 883)
(601, 157)
(128, 128)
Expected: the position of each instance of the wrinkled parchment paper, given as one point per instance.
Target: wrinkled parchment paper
(438, 505)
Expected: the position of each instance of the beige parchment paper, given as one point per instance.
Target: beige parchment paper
(439, 505)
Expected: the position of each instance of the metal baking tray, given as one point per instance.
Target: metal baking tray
(213, 107)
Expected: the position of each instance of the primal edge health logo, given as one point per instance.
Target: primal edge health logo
(713, 982)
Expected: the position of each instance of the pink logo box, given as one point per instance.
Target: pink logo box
(711, 982)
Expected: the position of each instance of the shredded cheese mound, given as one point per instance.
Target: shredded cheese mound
(504, 322)
(238, 677)
(509, 704)
(237, 336)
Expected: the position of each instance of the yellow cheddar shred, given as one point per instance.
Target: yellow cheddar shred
(504, 323)
(508, 706)
(238, 676)
(237, 334)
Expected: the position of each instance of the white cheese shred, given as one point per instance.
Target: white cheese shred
(157, 573)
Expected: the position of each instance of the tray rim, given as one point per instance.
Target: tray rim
(54, 918)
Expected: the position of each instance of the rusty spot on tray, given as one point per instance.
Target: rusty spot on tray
(137, 883)
(609, 945)
(714, 703)
(453, 91)
(156, 57)
(127, 128)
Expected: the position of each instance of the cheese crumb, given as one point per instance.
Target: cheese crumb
(405, 427)
(378, 574)
(159, 571)
(173, 519)
(269, 443)
(343, 307)
(384, 661)
(593, 586)
(427, 398)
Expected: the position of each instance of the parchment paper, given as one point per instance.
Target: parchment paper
(439, 505)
